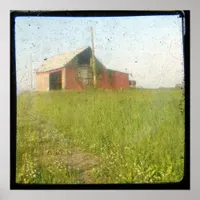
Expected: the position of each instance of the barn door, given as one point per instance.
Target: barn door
(55, 80)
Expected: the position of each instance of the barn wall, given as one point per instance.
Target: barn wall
(116, 80)
(84, 74)
(102, 80)
(71, 81)
(63, 78)
(42, 81)
(120, 80)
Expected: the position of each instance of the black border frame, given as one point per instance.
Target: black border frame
(184, 184)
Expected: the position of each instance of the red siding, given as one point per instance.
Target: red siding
(71, 81)
(103, 81)
(120, 80)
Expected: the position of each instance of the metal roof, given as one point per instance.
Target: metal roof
(59, 60)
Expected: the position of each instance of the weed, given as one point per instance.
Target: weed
(135, 136)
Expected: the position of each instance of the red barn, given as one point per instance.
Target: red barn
(73, 71)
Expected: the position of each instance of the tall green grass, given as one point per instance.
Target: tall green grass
(134, 136)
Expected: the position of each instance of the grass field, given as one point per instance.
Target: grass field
(134, 136)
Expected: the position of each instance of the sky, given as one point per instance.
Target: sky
(149, 47)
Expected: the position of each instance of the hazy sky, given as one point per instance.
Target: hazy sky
(149, 47)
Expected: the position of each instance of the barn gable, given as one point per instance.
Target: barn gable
(79, 57)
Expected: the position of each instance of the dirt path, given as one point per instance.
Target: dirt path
(85, 162)
(77, 160)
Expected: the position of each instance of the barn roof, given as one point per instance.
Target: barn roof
(59, 60)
